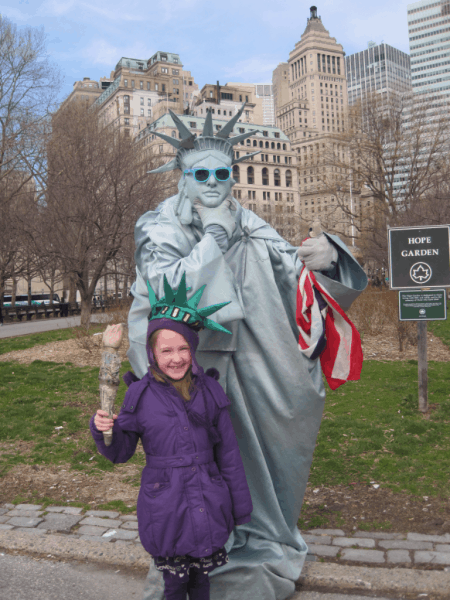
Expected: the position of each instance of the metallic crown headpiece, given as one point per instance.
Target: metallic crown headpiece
(207, 141)
(175, 305)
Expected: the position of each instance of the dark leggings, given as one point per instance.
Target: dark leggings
(197, 588)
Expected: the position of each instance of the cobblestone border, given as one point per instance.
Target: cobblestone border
(377, 548)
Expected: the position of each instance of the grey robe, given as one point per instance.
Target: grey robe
(277, 394)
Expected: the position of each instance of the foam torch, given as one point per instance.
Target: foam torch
(109, 373)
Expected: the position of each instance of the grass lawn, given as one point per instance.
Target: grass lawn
(28, 341)
(45, 410)
(372, 431)
(442, 328)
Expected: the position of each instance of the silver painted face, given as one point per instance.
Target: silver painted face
(211, 193)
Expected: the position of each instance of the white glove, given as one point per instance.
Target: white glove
(223, 215)
(317, 253)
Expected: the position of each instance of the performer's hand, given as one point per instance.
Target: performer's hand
(102, 420)
(318, 253)
(223, 215)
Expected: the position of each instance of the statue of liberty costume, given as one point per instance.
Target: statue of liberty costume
(277, 393)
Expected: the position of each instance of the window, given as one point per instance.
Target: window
(142, 101)
(174, 135)
(248, 142)
(149, 101)
(265, 133)
(255, 143)
(241, 130)
(176, 91)
(142, 112)
(265, 176)
(126, 105)
(163, 87)
(176, 81)
(156, 87)
(288, 178)
(132, 83)
(161, 149)
(250, 175)
(141, 85)
(238, 194)
(148, 85)
(175, 72)
(149, 112)
(276, 177)
(164, 70)
(277, 134)
(127, 121)
(236, 174)
(192, 124)
(125, 82)
(267, 144)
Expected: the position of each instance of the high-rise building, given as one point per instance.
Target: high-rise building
(429, 45)
(280, 87)
(314, 117)
(380, 68)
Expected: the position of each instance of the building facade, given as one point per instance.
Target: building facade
(380, 68)
(140, 91)
(429, 44)
(266, 183)
(226, 100)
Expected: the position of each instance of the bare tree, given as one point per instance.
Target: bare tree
(97, 188)
(392, 156)
(28, 87)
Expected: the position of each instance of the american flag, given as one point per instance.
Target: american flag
(326, 331)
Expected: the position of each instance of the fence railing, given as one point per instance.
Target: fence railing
(46, 311)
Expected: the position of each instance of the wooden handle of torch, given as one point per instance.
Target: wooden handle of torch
(109, 373)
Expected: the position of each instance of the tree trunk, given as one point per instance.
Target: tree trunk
(86, 308)
(14, 292)
(72, 290)
(105, 285)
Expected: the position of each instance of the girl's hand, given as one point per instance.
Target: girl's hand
(102, 420)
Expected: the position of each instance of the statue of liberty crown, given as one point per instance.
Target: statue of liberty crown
(206, 141)
(175, 305)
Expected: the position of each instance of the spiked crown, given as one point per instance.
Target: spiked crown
(175, 306)
(189, 142)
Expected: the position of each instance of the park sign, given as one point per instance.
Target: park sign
(419, 257)
(422, 305)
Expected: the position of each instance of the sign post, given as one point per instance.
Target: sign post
(419, 260)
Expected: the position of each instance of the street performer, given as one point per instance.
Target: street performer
(274, 382)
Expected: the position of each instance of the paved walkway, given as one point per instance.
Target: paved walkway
(356, 563)
(28, 327)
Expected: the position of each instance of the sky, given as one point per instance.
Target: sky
(225, 40)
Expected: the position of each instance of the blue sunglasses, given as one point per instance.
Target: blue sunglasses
(203, 175)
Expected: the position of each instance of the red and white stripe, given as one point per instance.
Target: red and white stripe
(342, 358)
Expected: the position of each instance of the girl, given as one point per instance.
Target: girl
(193, 488)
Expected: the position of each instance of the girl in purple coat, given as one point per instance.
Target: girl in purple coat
(193, 487)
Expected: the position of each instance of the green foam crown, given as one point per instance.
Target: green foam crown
(176, 306)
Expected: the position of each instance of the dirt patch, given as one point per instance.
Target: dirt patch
(385, 347)
(347, 507)
(65, 351)
(62, 484)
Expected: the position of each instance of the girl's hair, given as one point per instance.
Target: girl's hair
(184, 386)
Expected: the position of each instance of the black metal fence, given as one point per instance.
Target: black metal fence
(13, 314)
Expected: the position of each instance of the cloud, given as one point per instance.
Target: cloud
(257, 69)
(14, 14)
(112, 11)
(101, 52)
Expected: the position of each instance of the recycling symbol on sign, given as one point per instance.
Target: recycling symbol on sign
(420, 272)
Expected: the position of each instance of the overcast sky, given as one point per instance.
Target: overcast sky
(225, 40)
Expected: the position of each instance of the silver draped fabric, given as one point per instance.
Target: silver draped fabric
(277, 394)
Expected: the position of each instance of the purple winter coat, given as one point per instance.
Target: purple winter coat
(192, 492)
